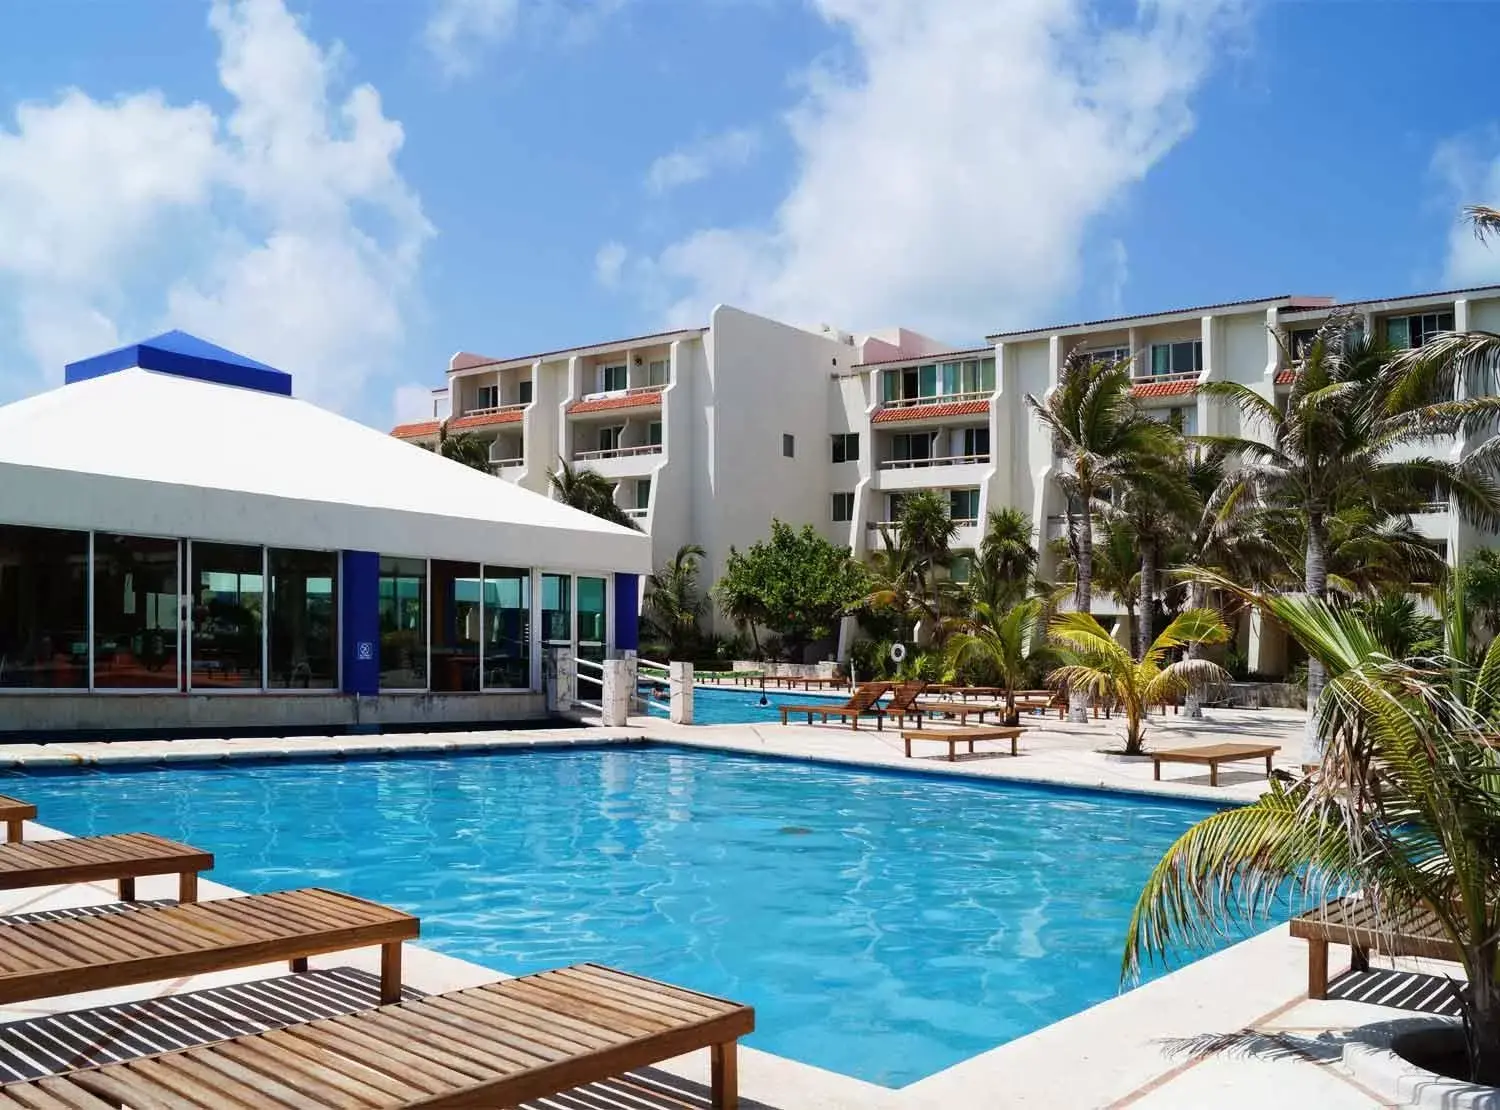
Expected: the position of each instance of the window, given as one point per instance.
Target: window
(656, 372)
(963, 505)
(44, 604)
(960, 567)
(227, 585)
(890, 385)
(1185, 357)
(653, 433)
(1184, 420)
(1300, 341)
(974, 443)
(523, 392)
(843, 508)
(846, 447)
(613, 378)
(609, 438)
(987, 375)
(1404, 332)
(643, 494)
(1109, 354)
(135, 612)
(455, 626)
(403, 623)
(557, 609)
(303, 627)
(910, 446)
(507, 628)
(487, 397)
(788, 446)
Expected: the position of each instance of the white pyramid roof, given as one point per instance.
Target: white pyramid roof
(150, 453)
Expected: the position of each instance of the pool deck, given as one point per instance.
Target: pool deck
(1126, 1052)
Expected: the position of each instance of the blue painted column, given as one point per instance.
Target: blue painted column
(627, 612)
(359, 575)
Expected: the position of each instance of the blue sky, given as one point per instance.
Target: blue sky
(354, 189)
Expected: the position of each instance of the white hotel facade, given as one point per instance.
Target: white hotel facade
(711, 432)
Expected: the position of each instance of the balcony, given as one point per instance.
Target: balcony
(637, 514)
(943, 460)
(622, 462)
(1147, 386)
(641, 396)
(967, 536)
(931, 472)
(932, 407)
(617, 453)
(494, 414)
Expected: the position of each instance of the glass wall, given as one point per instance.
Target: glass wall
(455, 626)
(135, 612)
(403, 623)
(44, 608)
(592, 632)
(304, 622)
(228, 607)
(507, 628)
(557, 610)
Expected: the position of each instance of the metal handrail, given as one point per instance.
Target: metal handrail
(939, 460)
(637, 514)
(1179, 376)
(501, 464)
(618, 452)
(511, 406)
(633, 391)
(936, 399)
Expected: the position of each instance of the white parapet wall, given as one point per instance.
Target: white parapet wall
(680, 682)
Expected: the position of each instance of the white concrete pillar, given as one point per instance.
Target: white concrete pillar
(680, 682)
(560, 688)
(619, 692)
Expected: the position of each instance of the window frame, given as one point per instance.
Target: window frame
(840, 452)
(788, 445)
(842, 498)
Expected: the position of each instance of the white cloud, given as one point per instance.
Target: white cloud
(458, 30)
(1117, 277)
(609, 262)
(1469, 168)
(282, 229)
(948, 171)
(696, 161)
(410, 403)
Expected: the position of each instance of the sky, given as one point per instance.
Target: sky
(353, 190)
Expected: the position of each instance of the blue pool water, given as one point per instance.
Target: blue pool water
(884, 925)
(716, 706)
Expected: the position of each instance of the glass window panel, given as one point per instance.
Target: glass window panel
(837, 449)
(927, 378)
(403, 623)
(851, 447)
(909, 380)
(592, 631)
(961, 568)
(987, 375)
(557, 609)
(890, 385)
(228, 597)
(523, 392)
(135, 612)
(455, 626)
(507, 628)
(44, 593)
(656, 372)
(653, 433)
(613, 378)
(643, 493)
(304, 620)
(1398, 332)
(1161, 358)
(948, 378)
(788, 445)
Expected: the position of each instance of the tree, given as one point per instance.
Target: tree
(1007, 559)
(1151, 507)
(589, 491)
(1403, 807)
(462, 447)
(1011, 643)
(927, 532)
(795, 582)
(673, 603)
(1353, 432)
(1097, 663)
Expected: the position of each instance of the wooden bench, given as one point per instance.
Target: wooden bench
(953, 737)
(1213, 755)
(14, 812)
(502, 1044)
(43, 959)
(1352, 921)
(90, 859)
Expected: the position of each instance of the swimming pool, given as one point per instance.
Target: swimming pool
(884, 925)
(713, 705)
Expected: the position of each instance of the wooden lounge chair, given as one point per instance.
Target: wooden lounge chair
(1352, 921)
(959, 710)
(497, 1045)
(953, 737)
(14, 813)
(91, 859)
(47, 958)
(861, 703)
(1213, 755)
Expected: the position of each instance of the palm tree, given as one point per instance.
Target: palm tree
(673, 602)
(927, 531)
(898, 582)
(1352, 414)
(1117, 564)
(1011, 643)
(1097, 663)
(1402, 808)
(462, 447)
(1484, 220)
(589, 491)
(1152, 507)
(1008, 553)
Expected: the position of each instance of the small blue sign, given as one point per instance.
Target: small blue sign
(364, 651)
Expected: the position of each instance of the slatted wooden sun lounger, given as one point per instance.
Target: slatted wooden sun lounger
(1352, 921)
(14, 812)
(47, 958)
(953, 737)
(1213, 755)
(91, 859)
(861, 703)
(497, 1045)
(960, 711)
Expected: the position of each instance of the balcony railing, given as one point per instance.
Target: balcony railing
(633, 391)
(617, 452)
(936, 399)
(636, 514)
(506, 464)
(1182, 376)
(514, 406)
(1433, 507)
(939, 460)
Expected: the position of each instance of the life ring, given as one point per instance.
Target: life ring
(898, 653)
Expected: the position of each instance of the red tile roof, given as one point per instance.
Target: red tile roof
(1163, 389)
(485, 419)
(630, 400)
(927, 412)
(414, 431)
(1285, 377)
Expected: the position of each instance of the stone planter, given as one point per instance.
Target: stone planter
(1381, 1058)
(1121, 757)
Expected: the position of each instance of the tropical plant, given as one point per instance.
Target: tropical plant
(1011, 644)
(1007, 559)
(1405, 807)
(1152, 507)
(674, 604)
(1352, 433)
(1098, 664)
(589, 491)
(1116, 566)
(927, 531)
(461, 447)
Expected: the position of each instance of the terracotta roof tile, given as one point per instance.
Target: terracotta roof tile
(629, 401)
(1285, 377)
(928, 412)
(414, 431)
(1163, 389)
(483, 420)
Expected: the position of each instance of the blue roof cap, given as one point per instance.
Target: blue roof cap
(186, 356)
